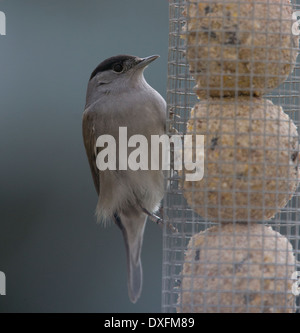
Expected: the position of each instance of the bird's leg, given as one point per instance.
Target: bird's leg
(154, 218)
(158, 220)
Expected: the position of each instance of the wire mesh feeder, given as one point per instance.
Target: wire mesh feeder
(233, 77)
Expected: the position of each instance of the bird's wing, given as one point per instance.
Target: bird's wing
(89, 139)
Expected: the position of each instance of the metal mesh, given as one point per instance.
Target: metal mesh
(237, 244)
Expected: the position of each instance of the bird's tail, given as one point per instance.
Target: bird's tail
(133, 231)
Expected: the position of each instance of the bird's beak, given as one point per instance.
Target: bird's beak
(146, 61)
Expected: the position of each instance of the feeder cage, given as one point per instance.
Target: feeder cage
(233, 200)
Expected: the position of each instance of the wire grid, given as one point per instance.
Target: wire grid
(235, 266)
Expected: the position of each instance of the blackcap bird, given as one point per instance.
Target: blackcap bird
(119, 96)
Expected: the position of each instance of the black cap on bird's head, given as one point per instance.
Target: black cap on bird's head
(122, 63)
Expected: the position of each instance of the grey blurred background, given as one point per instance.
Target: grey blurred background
(55, 256)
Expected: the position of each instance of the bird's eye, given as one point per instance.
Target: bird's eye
(118, 68)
